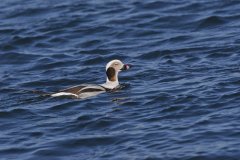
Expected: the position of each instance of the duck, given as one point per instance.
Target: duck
(88, 90)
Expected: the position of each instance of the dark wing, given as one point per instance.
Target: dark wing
(93, 89)
(73, 90)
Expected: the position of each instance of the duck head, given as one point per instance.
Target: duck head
(112, 69)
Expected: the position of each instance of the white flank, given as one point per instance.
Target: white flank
(63, 94)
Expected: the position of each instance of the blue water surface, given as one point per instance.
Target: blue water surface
(182, 96)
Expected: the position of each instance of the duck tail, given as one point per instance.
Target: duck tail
(42, 93)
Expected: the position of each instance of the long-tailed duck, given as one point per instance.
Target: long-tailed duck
(87, 90)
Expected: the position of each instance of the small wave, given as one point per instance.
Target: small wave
(15, 150)
(89, 141)
(17, 58)
(218, 55)
(16, 113)
(26, 12)
(212, 21)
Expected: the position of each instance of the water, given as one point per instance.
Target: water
(181, 99)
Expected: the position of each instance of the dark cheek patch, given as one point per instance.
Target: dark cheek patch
(111, 74)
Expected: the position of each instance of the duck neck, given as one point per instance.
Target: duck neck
(111, 84)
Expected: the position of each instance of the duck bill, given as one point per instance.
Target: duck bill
(125, 67)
